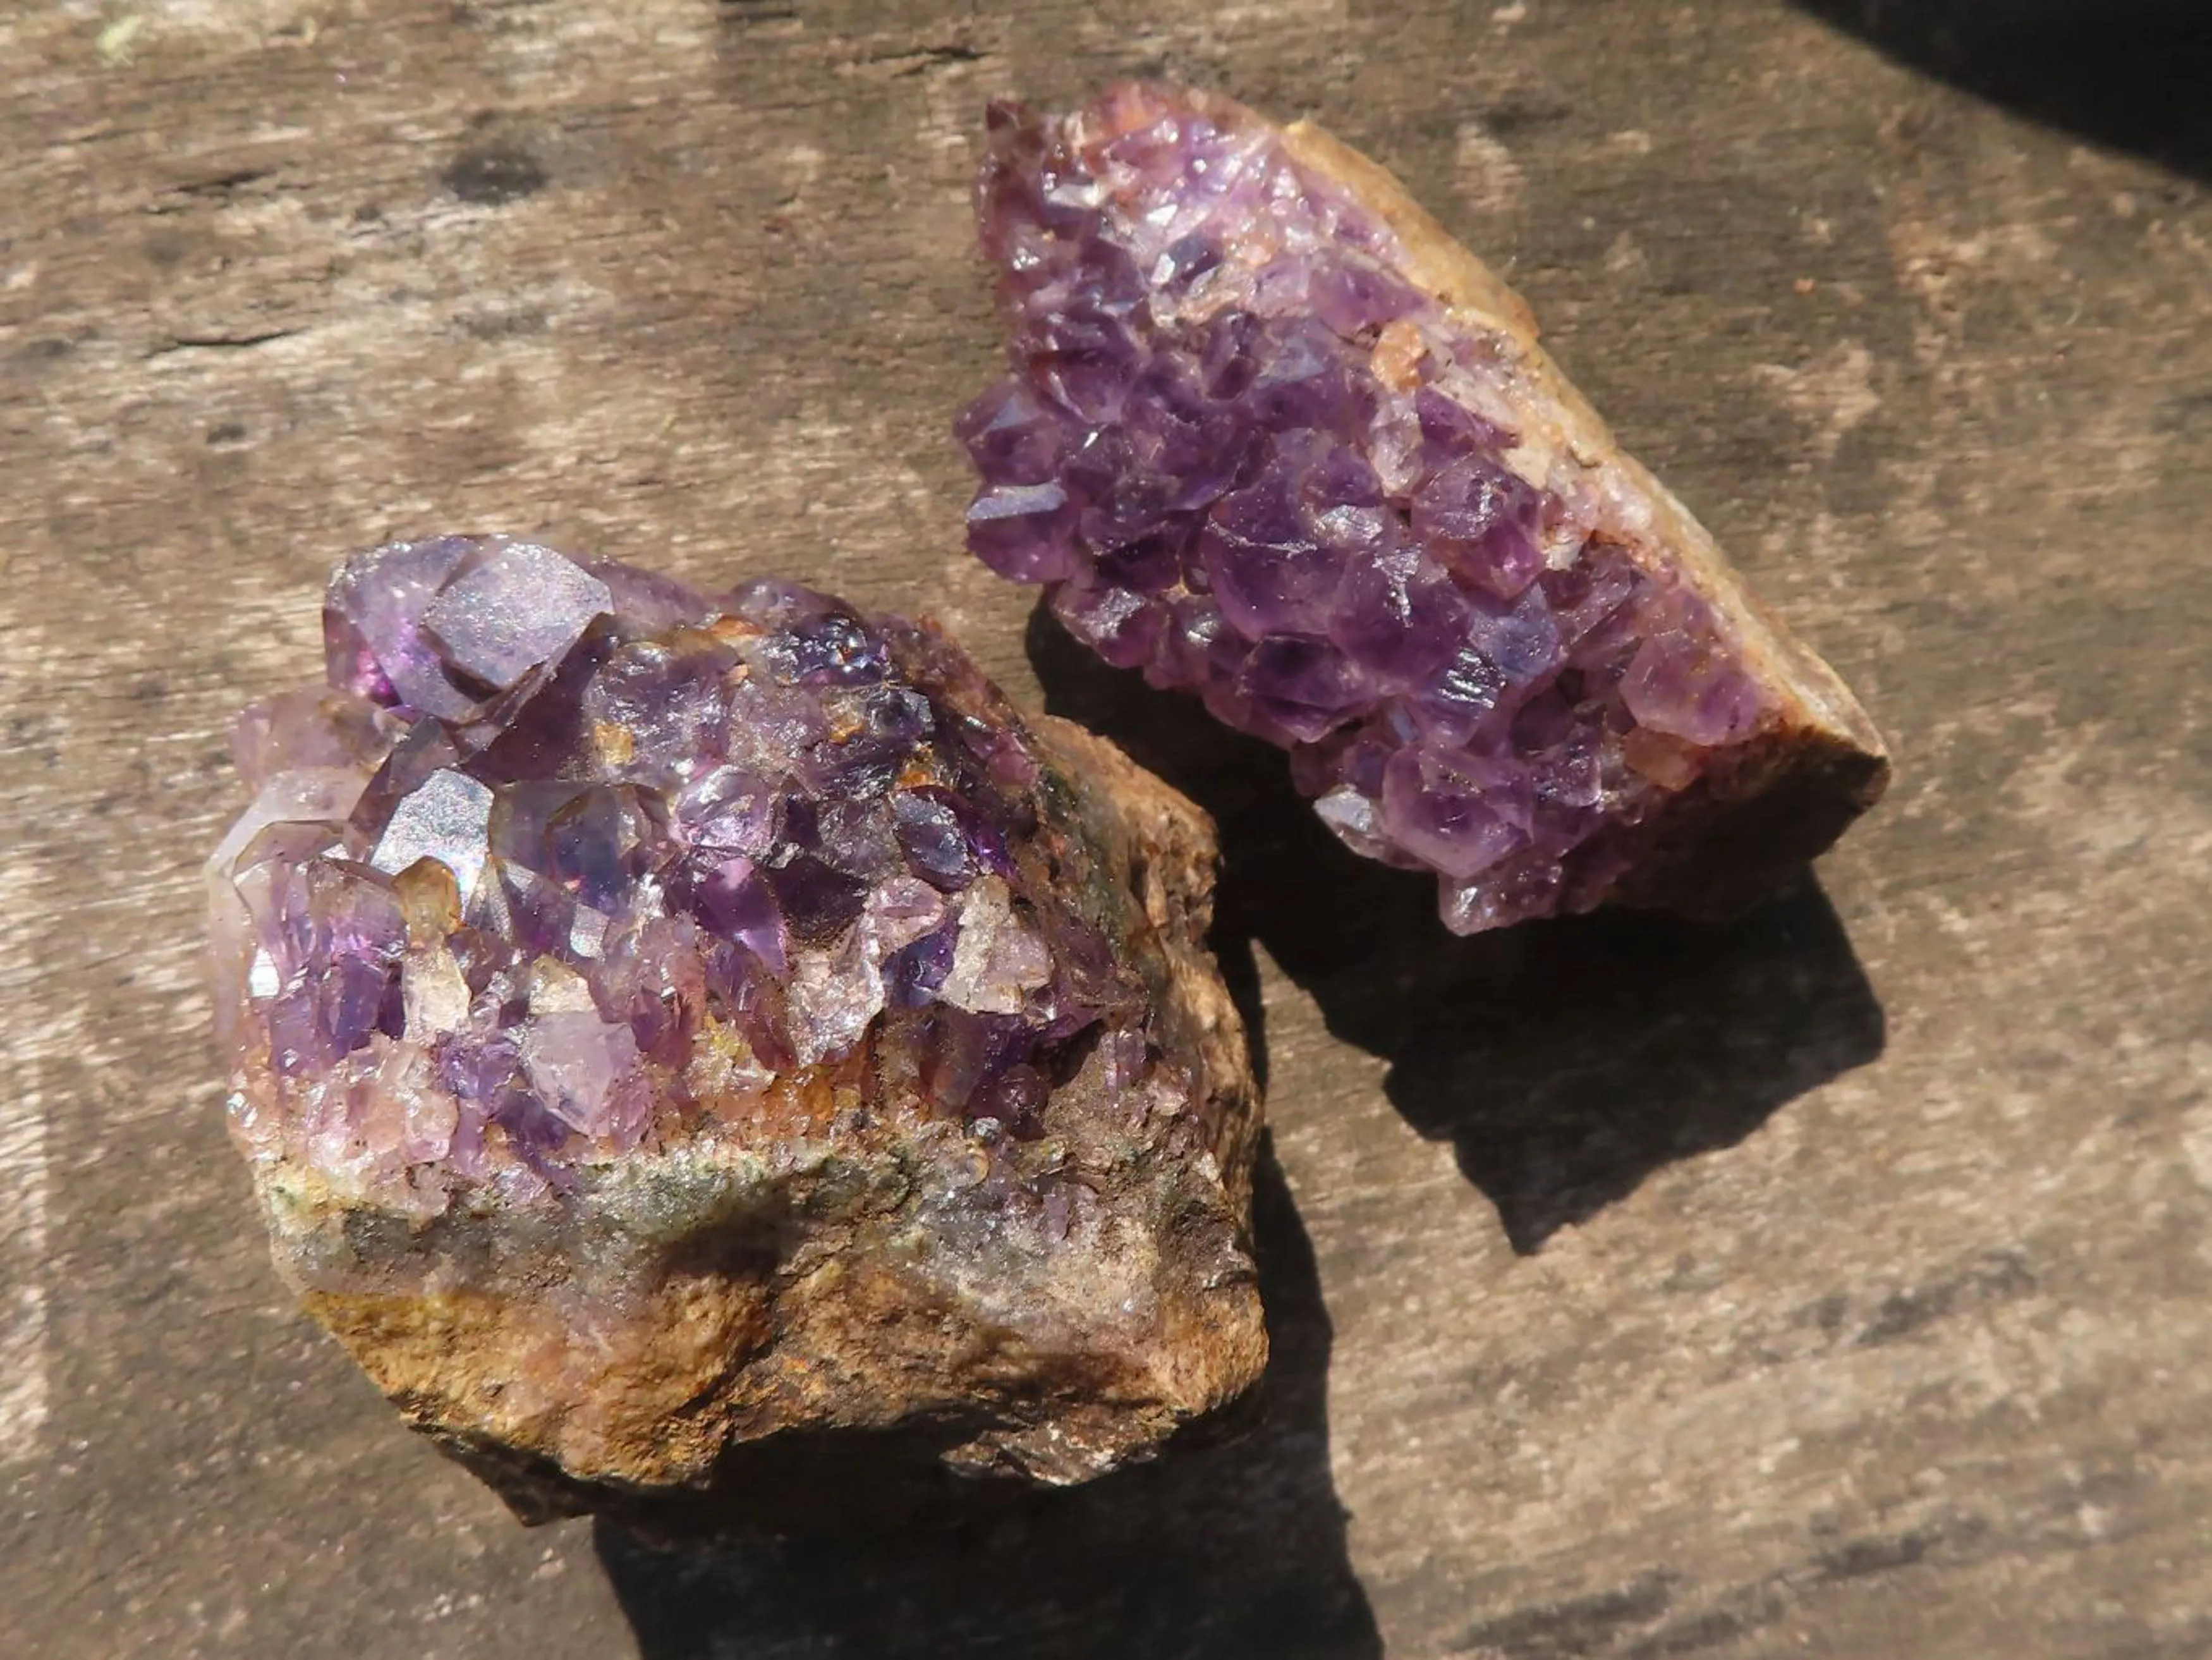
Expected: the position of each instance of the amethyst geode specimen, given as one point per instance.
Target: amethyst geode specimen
(1274, 438)
(671, 1035)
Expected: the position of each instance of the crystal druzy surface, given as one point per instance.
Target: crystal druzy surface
(578, 914)
(1246, 455)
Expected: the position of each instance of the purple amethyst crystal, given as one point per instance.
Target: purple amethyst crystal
(659, 1021)
(1251, 452)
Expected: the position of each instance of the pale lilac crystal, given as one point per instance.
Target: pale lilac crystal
(569, 860)
(520, 606)
(318, 727)
(1229, 476)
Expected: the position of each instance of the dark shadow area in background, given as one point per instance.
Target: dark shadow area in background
(1564, 1061)
(1230, 1552)
(2134, 74)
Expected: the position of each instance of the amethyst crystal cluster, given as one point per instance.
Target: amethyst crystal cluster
(1247, 452)
(563, 859)
(584, 930)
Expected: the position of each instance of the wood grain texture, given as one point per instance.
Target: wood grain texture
(1834, 1284)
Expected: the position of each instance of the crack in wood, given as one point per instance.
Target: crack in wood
(220, 341)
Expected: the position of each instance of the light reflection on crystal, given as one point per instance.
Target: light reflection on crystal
(446, 817)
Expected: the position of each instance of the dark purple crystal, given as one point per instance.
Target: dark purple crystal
(1247, 456)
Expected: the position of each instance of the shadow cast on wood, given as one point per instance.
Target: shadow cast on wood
(2131, 74)
(1232, 1550)
(1563, 1061)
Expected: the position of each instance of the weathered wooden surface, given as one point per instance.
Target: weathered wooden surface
(1836, 1283)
